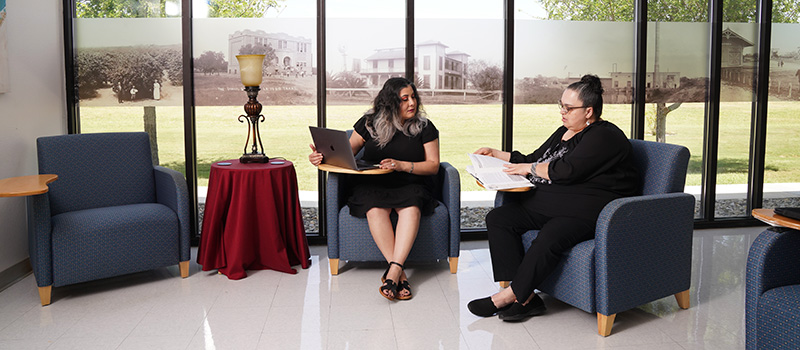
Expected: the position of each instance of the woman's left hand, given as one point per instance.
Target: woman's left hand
(393, 164)
(518, 168)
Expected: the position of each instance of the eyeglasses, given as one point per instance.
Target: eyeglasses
(566, 109)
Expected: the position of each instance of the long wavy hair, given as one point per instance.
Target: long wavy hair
(384, 120)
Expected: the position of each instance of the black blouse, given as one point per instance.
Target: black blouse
(586, 172)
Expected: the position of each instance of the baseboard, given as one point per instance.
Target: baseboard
(15, 273)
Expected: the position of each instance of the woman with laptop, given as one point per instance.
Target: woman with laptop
(396, 134)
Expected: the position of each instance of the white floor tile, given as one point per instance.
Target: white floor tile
(314, 310)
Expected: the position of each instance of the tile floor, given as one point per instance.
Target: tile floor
(314, 310)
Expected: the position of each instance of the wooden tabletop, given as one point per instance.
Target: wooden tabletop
(515, 189)
(26, 185)
(769, 216)
(338, 169)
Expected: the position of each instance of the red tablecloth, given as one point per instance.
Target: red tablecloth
(252, 220)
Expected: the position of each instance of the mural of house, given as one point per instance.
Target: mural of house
(733, 67)
(293, 53)
(433, 65)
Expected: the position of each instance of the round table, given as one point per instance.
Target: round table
(252, 219)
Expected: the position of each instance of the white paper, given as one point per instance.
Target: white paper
(489, 171)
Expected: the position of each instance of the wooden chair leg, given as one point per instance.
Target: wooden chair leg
(604, 324)
(334, 266)
(184, 267)
(453, 264)
(44, 294)
(504, 284)
(683, 299)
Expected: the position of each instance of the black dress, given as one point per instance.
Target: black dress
(396, 189)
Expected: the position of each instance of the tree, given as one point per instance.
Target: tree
(240, 8)
(783, 11)
(348, 79)
(211, 62)
(121, 8)
(485, 76)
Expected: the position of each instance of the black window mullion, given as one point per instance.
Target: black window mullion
(322, 182)
(708, 188)
(758, 129)
(639, 69)
(71, 68)
(507, 141)
(189, 122)
(410, 41)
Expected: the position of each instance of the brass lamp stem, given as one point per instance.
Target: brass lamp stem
(254, 116)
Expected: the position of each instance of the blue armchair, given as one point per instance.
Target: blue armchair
(111, 212)
(439, 235)
(772, 294)
(642, 249)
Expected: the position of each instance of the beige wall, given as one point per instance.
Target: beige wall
(33, 106)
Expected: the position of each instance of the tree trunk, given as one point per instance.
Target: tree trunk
(150, 129)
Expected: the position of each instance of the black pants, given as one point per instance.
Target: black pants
(527, 270)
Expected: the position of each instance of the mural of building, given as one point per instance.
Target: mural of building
(662, 80)
(433, 66)
(733, 66)
(293, 53)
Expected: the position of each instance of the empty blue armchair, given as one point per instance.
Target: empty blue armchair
(111, 212)
(439, 235)
(642, 249)
(772, 294)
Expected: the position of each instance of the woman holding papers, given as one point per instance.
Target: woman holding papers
(585, 164)
(397, 134)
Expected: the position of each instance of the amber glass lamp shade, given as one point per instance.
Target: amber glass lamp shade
(251, 68)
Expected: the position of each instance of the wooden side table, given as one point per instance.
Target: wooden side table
(338, 169)
(28, 185)
(768, 216)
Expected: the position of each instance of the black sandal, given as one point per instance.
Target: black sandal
(388, 284)
(404, 286)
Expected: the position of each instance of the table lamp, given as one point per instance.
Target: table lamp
(251, 67)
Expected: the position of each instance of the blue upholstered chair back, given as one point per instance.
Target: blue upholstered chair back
(97, 170)
(662, 166)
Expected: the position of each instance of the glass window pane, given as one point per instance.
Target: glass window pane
(782, 170)
(739, 62)
(129, 73)
(677, 76)
(365, 46)
(554, 47)
(461, 49)
(287, 36)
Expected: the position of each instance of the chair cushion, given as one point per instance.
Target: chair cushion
(573, 280)
(779, 318)
(103, 242)
(355, 239)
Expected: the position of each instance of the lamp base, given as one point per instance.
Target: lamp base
(253, 158)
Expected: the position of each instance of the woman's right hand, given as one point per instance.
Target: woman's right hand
(315, 157)
(486, 151)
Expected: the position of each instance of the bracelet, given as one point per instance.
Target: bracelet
(412, 168)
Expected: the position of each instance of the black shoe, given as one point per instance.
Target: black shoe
(518, 312)
(484, 307)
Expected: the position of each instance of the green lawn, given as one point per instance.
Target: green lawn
(463, 128)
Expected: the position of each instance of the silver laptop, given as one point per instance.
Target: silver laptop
(335, 148)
